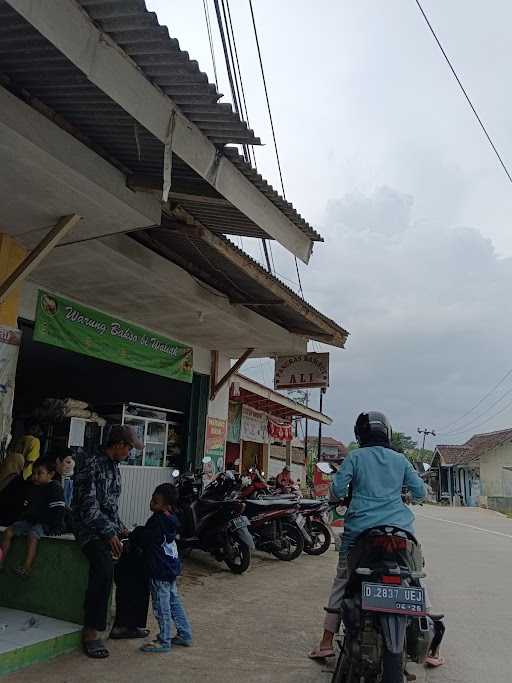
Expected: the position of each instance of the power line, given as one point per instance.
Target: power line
(267, 97)
(452, 69)
(479, 403)
(210, 38)
(298, 277)
(269, 109)
(474, 421)
(492, 417)
(243, 101)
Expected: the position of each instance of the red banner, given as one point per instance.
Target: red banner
(279, 431)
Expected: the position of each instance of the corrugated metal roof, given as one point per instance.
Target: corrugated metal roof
(236, 281)
(474, 447)
(43, 76)
(160, 57)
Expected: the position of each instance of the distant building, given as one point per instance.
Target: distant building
(331, 450)
(478, 472)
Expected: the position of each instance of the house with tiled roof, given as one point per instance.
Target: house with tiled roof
(478, 472)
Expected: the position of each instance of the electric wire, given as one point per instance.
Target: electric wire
(473, 109)
(481, 424)
(475, 420)
(245, 110)
(451, 424)
(210, 39)
(269, 109)
(226, 56)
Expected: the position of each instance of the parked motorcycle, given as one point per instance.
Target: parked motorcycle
(277, 526)
(316, 514)
(312, 518)
(384, 612)
(273, 525)
(213, 521)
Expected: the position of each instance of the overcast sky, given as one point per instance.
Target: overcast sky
(381, 153)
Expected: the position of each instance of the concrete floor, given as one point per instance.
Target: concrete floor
(259, 627)
(253, 628)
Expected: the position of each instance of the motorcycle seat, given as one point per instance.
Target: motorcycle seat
(306, 503)
(269, 503)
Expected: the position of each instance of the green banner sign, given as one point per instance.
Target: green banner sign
(75, 327)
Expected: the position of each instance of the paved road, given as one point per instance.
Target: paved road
(469, 561)
(257, 628)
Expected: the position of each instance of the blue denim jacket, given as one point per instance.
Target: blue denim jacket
(377, 475)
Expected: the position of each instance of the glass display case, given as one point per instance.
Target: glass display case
(160, 430)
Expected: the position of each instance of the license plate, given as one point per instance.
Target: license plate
(238, 523)
(377, 597)
(301, 522)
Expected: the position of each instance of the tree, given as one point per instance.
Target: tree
(402, 442)
(352, 446)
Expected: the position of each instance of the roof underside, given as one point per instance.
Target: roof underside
(260, 397)
(34, 69)
(219, 263)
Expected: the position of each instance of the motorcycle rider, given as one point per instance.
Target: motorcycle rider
(376, 474)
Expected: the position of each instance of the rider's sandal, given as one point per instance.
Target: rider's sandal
(318, 653)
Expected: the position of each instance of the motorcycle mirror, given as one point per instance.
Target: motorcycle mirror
(426, 466)
(175, 473)
(206, 459)
(324, 467)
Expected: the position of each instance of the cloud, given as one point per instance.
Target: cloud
(427, 307)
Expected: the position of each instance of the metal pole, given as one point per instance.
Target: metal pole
(306, 434)
(322, 392)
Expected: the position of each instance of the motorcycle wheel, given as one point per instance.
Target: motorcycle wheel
(237, 555)
(321, 539)
(393, 667)
(293, 544)
(344, 671)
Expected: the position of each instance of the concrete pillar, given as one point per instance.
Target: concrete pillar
(11, 255)
(289, 454)
(265, 460)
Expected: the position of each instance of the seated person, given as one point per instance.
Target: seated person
(11, 468)
(284, 480)
(43, 514)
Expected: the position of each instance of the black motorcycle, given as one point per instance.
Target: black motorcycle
(213, 521)
(384, 609)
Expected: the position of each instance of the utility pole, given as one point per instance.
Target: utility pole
(425, 432)
(319, 452)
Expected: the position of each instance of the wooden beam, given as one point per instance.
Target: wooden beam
(261, 302)
(32, 260)
(143, 183)
(217, 386)
(327, 338)
(188, 225)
